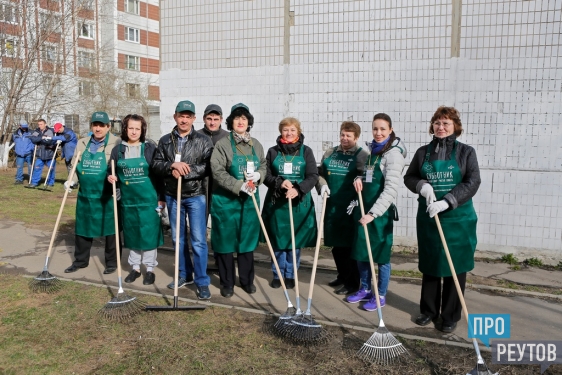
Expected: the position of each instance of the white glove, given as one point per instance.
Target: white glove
(428, 193)
(247, 189)
(47, 138)
(351, 206)
(437, 207)
(69, 185)
(253, 176)
(118, 194)
(59, 142)
(325, 190)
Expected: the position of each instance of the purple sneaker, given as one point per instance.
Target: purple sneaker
(361, 295)
(372, 304)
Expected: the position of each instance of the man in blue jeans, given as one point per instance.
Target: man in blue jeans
(184, 153)
(43, 138)
(24, 151)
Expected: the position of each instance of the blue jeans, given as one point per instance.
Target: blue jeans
(285, 261)
(196, 212)
(38, 170)
(20, 160)
(366, 276)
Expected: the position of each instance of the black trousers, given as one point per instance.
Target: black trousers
(227, 271)
(435, 300)
(348, 272)
(82, 248)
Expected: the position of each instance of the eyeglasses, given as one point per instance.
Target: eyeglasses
(443, 124)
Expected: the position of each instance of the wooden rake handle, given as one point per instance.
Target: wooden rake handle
(32, 164)
(57, 222)
(293, 245)
(317, 250)
(116, 220)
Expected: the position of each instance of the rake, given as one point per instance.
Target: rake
(285, 318)
(481, 367)
(46, 282)
(44, 188)
(32, 165)
(382, 347)
(304, 328)
(121, 307)
(175, 306)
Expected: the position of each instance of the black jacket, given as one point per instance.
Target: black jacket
(466, 159)
(196, 152)
(45, 148)
(118, 152)
(215, 136)
(273, 181)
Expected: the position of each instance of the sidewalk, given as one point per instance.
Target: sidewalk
(534, 316)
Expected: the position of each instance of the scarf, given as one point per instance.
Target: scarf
(377, 147)
(287, 142)
(246, 138)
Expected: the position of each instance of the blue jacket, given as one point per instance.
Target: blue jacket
(24, 146)
(45, 148)
(69, 141)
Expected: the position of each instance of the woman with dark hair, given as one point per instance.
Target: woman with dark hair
(378, 185)
(338, 169)
(140, 196)
(291, 174)
(238, 165)
(446, 176)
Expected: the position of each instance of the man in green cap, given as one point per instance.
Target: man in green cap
(185, 153)
(94, 205)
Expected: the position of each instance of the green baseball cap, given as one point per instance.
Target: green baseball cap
(239, 105)
(100, 117)
(185, 106)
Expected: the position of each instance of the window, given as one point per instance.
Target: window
(86, 88)
(49, 53)
(72, 122)
(8, 47)
(132, 6)
(86, 30)
(8, 13)
(132, 35)
(85, 59)
(86, 4)
(50, 22)
(133, 90)
(132, 62)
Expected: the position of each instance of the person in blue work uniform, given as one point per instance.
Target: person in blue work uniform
(23, 148)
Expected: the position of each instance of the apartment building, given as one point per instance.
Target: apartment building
(63, 59)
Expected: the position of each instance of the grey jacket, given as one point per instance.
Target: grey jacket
(392, 164)
(468, 164)
(221, 160)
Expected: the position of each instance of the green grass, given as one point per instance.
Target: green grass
(510, 259)
(533, 262)
(30, 206)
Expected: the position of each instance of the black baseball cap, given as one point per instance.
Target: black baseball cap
(212, 108)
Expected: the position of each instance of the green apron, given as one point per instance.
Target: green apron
(380, 229)
(276, 210)
(459, 225)
(339, 172)
(94, 204)
(235, 223)
(142, 228)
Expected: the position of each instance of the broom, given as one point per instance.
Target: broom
(290, 312)
(382, 347)
(122, 306)
(481, 368)
(46, 282)
(304, 327)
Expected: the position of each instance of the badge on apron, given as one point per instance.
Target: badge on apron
(250, 167)
(288, 168)
(369, 175)
(178, 158)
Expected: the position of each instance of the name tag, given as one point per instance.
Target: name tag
(250, 167)
(369, 175)
(178, 158)
(288, 168)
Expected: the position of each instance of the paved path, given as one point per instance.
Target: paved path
(532, 318)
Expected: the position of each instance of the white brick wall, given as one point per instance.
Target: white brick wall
(352, 59)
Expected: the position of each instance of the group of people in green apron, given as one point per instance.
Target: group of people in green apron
(444, 174)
